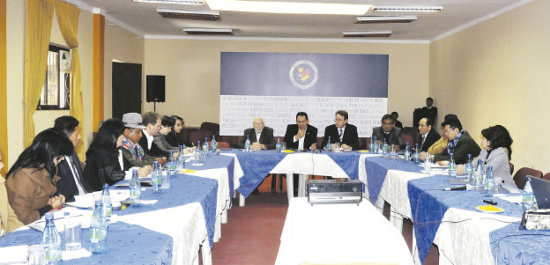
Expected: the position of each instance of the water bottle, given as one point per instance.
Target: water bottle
(98, 229)
(278, 145)
(107, 204)
(135, 189)
(469, 170)
(528, 201)
(51, 241)
(171, 164)
(489, 182)
(213, 144)
(181, 158)
(156, 177)
(407, 152)
(247, 144)
(452, 167)
(385, 148)
(478, 175)
(376, 145)
(329, 144)
(417, 154)
(371, 146)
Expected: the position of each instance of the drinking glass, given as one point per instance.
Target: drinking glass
(166, 178)
(36, 255)
(72, 231)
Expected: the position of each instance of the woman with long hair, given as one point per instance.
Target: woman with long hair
(30, 182)
(497, 151)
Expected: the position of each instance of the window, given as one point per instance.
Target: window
(57, 84)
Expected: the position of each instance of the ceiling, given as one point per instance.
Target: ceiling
(143, 19)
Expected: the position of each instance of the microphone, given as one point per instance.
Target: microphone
(463, 187)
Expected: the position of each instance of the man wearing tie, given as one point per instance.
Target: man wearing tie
(427, 135)
(341, 132)
(388, 132)
(260, 136)
(301, 136)
(70, 169)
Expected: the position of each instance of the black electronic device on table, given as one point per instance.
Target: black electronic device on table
(334, 191)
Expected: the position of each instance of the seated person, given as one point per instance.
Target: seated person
(104, 162)
(441, 144)
(496, 152)
(152, 123)
(8, 219)
(460, 144)
(30, 182)
(398, 124)
(260, 136)
(342, 132)
(301, 136)
(427, 136)
(130, 147)
(70, 169)
(160, 140)
(389, 132)
(172, 136)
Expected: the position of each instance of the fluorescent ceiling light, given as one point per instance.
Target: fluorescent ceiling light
(288, 7)
(379, 33)
(180, 2)
(383, 19)
(186, 14)
(407, 8)
(221, 31)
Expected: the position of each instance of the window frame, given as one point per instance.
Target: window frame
(63, 83)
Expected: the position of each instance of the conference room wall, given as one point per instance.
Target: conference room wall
(497, 73)
(120, 46)
(192, 70)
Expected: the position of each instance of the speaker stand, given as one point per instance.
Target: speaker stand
(155, 105)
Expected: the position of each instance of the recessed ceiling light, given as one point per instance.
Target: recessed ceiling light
(289, 7)
(380, 33)
(407, 8)
(180, 2)
(385, 19)
(211, 31)
(185, 14)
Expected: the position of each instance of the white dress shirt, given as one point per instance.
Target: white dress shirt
(150, 139)
(76, 178)
(300, 141)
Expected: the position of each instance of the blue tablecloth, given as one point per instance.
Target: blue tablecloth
(126, 244)
(429, 202)
(218, 161)
(348, 161)
(513, 246)
(377, 169)
(256, 165)
(184, 189)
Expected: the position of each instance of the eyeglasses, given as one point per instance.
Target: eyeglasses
(449, 130)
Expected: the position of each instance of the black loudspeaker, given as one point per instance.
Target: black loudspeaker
(155, 88)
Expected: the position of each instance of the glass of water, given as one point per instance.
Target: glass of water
(36, 255)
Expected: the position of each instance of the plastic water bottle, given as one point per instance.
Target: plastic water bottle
(528, 201)
(385, 148)
(171, 164)
(489, 182)
(278, 145)
(205, 147)
(329, 145)
(469, 170)
(407, 152)
(181, 158)
(247, 144)
(135, 189)
(107, 204)
(452, 167)
(417, 154)
(213, 144)
(478, 176)
(51, 241)
(376, 145)
(371, 146)
(156, 178)
(98, 229)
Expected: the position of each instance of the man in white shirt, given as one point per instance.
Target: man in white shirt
(301, 136)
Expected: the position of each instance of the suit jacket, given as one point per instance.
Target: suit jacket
(29, 190)
(465, 145)
(154, 151)
(67, 185)
(350, 136)
(309, 139)
(8, 219)
(395, 135)
(266, 137)
(431, 138)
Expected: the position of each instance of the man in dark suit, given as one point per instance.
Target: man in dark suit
(388, 131)
(342, 132)
(427, 136)
(301, 136)
(260, 136)
(430, 110)
(70, 169)
(152, 123)
(460, 144)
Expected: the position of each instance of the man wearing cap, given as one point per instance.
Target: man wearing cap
(130, 147)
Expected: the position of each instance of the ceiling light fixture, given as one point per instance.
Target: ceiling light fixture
(211, 31)
(382, 19)
(288, 7)
(380, 33)
(407, 8)
(185, 14)
(179, 2)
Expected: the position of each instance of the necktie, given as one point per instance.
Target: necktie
(340, 135)
(423, 139)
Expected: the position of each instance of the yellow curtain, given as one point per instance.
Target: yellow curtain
(38, 27)
(67, 17)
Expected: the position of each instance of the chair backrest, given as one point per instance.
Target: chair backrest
(223, 145)
(511, 168)
(520, 176)
(546, 176)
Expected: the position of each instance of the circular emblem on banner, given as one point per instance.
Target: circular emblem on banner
(303, 74)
